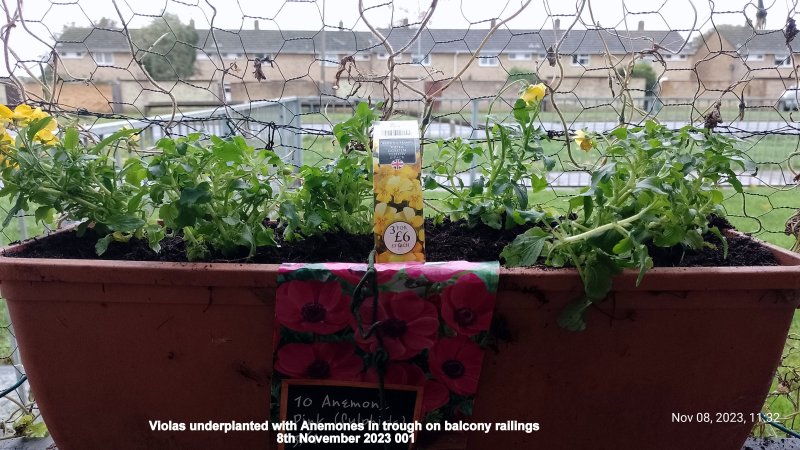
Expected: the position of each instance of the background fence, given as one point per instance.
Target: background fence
(281, 74)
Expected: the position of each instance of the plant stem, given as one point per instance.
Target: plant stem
(603, 228)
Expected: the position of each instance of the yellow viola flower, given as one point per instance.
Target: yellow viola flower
(23, 113)
(384, 215)
(395, 188)
(534, 93)
(584, 140)
(6, 115)
(6, 148)
(46, 137)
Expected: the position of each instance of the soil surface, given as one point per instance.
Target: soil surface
(447, 241)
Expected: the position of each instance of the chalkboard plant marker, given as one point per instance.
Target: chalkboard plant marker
(329, 401)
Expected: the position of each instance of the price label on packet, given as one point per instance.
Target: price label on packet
(396, 163)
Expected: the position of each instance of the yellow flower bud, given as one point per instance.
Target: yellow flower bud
(534, 93)
(584, 140)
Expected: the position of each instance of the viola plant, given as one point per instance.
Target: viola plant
(333, 197)
(218, 195)
(66, 178)
(657, 187)
(499, 197)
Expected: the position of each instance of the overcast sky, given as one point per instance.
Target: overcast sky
(46, 18)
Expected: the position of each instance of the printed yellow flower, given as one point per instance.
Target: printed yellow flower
(5, 114)
(384, 215)
(410, 216)
(415, 197)
(395, 188)
(584, 140)
(534, 93)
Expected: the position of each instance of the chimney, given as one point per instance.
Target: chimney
(557, 24)
(341, 25)
(404, 23)
(255, 24)
(641, 25)
(494, 22)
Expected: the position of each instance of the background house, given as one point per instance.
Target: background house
(305, 63)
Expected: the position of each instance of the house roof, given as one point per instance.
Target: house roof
(747, 40)
(534, 41)
(350, 42)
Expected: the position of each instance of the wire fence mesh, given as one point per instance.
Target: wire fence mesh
(281, 74)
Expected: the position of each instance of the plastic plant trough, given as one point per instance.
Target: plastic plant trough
(110, 345)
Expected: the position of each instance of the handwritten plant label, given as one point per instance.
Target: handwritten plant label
(434, 321)
(397, 164)
(312, 402)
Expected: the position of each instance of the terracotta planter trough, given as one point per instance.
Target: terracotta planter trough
(111, 345)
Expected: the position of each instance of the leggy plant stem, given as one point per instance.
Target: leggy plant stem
(603, 228)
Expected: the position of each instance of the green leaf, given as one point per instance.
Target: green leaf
(573, 316)
(651, 184)
(71, 138)
(597, 276)
(722, 239)
(624, 245)
(123, 133)
(36, 126)
(196, 195)
(102, 244)
(526, 248)
(124, 222)
(44, 214)
(520, 111)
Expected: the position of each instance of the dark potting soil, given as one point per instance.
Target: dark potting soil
(447, 241)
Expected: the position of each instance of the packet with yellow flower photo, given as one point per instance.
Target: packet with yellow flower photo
(398, 220)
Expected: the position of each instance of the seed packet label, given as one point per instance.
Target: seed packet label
(397, 164)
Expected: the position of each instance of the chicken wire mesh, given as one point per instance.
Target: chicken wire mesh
(281, 74)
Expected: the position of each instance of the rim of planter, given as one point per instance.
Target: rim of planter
(786, 275)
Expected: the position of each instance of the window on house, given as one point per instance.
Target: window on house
(424, 60)
(330, 60)
(755, 57)
(71, 55)
(226, 90)
(362, 57)
(103, 58)
(518, 56)
(783, 61)
(581, 59)
(487, 61)
(683, 57)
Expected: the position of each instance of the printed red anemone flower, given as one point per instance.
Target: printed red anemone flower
(467, 305)
(408, 324)
(312, 306)
(456, 362)
(319, 360)
(435, 394)
(402, 373)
